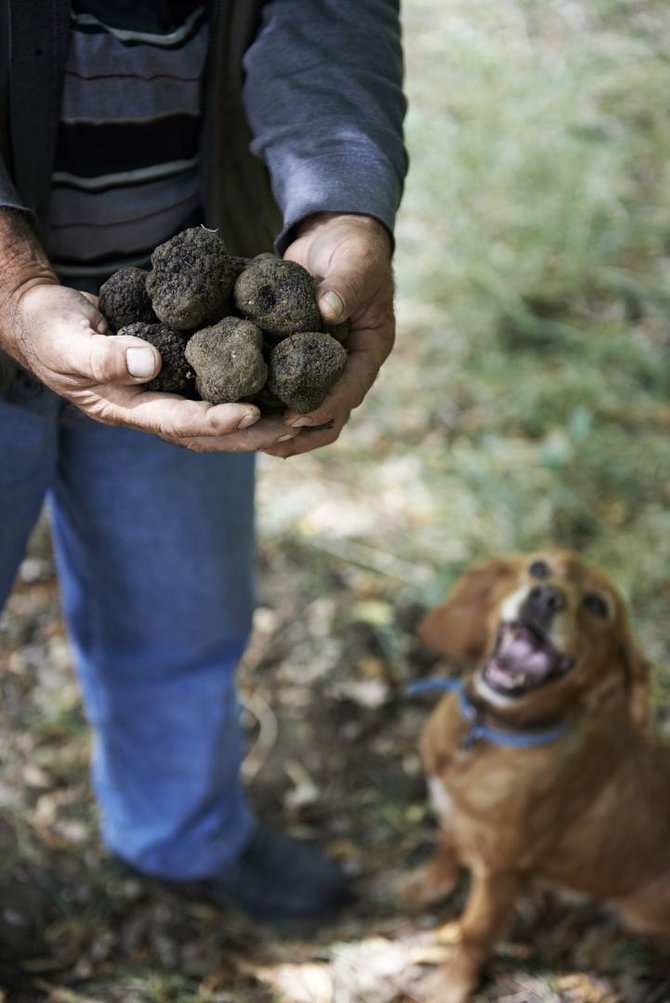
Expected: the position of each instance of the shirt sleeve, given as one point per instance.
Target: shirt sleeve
(9, 197)
(323, 96)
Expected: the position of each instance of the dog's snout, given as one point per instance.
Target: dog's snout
(543, 602)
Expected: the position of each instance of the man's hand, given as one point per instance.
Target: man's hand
(60, 331)
(351, 258)
(58, 335)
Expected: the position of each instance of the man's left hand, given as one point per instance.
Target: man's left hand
(350, 257)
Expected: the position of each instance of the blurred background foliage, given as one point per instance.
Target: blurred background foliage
(526, 403)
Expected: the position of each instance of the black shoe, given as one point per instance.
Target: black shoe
(281, 880)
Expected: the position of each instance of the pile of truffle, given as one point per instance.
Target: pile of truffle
(228, 328)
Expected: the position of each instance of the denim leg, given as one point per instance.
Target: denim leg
(28, 444)
(155, 552)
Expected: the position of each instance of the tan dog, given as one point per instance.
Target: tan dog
(541, 766)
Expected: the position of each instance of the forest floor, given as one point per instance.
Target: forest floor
(332, 758)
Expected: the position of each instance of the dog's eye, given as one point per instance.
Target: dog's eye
(596, 604)
(539, 569)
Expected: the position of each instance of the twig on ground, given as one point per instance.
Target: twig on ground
(268, 730)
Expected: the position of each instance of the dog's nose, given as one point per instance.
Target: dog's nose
(543, 602)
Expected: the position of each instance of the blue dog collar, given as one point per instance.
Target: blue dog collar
(478, 731)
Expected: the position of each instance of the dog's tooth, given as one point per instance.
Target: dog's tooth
(505, 636)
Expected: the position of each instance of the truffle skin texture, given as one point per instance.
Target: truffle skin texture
(304, 368)
(278, 295)
(240, 263)
(191, 279)
(124, 299)
(227, 359)
(175, 376)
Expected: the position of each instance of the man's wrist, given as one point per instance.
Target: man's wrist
(23, 266)
(367, 224)
(23, 261)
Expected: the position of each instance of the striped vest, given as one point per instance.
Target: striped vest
(126, 168)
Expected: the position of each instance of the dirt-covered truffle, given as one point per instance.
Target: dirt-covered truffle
(229, 327)
(176, 376)
(278, 295)
(227, 359)
(304, 368)
(124, 299)
(191, 279)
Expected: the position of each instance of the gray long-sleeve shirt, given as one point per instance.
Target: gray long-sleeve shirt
(323, 98)
(307, 90)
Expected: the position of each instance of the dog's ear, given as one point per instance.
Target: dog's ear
(638, 679)
(459, 626)
(627, 677)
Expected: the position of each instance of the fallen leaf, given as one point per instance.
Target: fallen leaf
(448, 933)
(307, 983)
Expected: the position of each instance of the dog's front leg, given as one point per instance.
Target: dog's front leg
(431, 882)
(488, 909)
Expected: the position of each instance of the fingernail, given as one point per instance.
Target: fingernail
(140, 362)
(250, 418)
(332, 304)
(285, 438)
(301, 422)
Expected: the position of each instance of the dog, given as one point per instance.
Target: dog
(540, 763)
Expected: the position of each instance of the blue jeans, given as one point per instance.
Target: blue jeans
(154, 548)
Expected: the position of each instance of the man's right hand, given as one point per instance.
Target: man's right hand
(57, 334)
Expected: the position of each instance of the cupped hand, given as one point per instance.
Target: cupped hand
(350, 256)
(59, 335)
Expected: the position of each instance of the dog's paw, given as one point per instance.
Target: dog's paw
(412, 891)
(425, 886)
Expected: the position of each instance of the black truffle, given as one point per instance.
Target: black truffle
(124, 299)
(282, 354)
(240, 264)
(304, 368)
(191, 279)
(278, 295)
(175, 376)
(227, 359)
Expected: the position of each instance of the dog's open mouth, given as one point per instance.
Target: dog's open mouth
(523, 659)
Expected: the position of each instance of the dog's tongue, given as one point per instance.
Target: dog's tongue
(520, 652)
(518, 647)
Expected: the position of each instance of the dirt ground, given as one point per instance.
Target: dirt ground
(332, 757)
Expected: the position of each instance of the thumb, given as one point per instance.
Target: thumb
(124, 359)
(117, 359)
(338, 295)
